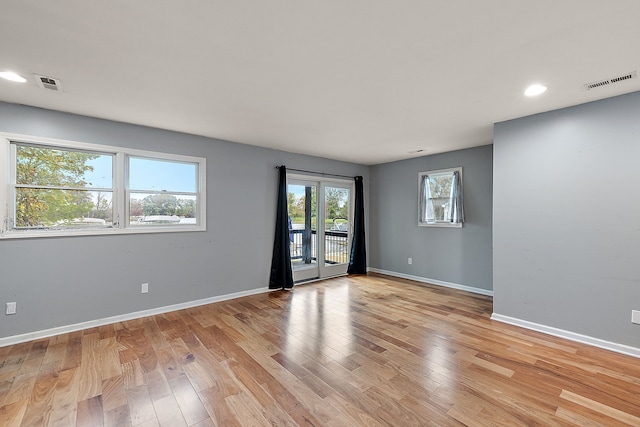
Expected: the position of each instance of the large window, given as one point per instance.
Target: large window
(53, 188)
(440, 198)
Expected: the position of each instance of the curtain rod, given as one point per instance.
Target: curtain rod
(318, 173)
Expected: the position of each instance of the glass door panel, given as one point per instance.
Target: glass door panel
(302, 204)
(336, 235)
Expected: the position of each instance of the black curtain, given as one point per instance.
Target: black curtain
(281, 276)
(358, 258)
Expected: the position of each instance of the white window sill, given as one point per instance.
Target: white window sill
(102, 232)
(441, 224)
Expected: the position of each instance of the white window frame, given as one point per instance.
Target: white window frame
(441, 172)
(120, 200)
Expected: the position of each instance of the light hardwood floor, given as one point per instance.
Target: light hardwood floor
(356, 351)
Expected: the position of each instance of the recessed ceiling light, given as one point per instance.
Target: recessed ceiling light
(535, 90)
(9, 75)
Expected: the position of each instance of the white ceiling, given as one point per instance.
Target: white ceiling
(365, 81)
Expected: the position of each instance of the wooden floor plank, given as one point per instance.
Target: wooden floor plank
(168, 412)
(140, 405)
(188, 400)
(118, 417)
(40, 404)
(64, 405)
(360, 351)
(90, 413)
(11, 415)
(214, 401)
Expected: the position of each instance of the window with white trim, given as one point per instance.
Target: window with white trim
(440, 198)
(59, 188)
(162, 192)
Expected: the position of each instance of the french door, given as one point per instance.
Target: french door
(320, 213)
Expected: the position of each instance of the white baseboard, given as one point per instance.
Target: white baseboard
(16, 339)
(572, 336)
(433, 281)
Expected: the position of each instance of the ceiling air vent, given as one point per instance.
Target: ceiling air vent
(612, 80)
(49, 83)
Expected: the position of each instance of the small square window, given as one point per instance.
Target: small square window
(440, 198)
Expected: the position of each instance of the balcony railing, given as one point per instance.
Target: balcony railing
(336, 247)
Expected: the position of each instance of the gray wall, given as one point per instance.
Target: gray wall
(461, 256)
(63, 281)
(566, 229)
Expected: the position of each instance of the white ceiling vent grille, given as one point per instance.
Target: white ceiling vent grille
(49, 83)
(612, 80)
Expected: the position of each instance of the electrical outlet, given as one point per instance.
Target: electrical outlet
(635, 316)
(409, 260)
(11, 308)
(145, 288)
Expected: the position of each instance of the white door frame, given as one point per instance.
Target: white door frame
(329, 270)
(321, 270)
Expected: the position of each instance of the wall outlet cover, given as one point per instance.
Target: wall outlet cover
(11, 308)
(635, 316)
(145, 288)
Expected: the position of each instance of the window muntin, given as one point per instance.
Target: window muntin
(88, 191)
(55, 188)
(162, 192)
(440, 198)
